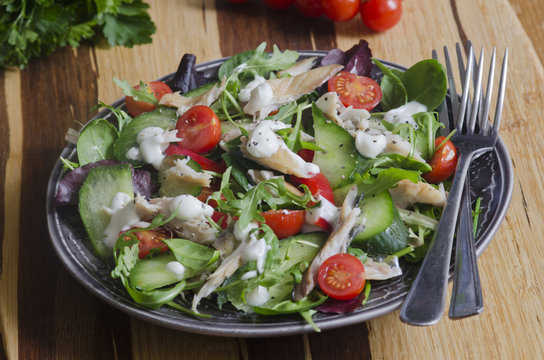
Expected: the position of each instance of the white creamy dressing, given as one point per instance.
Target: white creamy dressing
(370, 145)
(256, 251)
(189, 207)
(325, 210)
(176, 268)
(152, 142)
(243, 234)
(249, 275)
(245, 93)
(263, 142)
(404, 114)
(257, 296)
(123, 216)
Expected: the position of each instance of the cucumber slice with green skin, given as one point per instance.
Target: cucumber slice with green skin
(163, 118)
(384, 232)
(389, 241)
(151, 273)
(97, 192)
(377, 214)
(339, 158)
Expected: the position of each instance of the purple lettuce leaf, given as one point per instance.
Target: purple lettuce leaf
(356, 60)
(341, 306)
(68, 187)
(187, 77)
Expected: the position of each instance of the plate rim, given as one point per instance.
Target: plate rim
(191, 324)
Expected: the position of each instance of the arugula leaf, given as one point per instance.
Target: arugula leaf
(192, 255)
(141, 94)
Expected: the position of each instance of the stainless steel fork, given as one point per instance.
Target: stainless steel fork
(426, 299)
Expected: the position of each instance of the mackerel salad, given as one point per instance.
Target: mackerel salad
(279, 186)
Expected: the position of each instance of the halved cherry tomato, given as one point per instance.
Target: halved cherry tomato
(380, 15)
(222, 219)
(318, 185)
(158, 88)
(205, 163)
(279, 4)
(310, 8)
(443, 162)
(361, 92)
(342, 276)
(151, 239)
(199, 129)
(284, 223)
(340, 10)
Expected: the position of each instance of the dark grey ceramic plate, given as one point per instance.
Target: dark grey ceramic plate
(492, 180)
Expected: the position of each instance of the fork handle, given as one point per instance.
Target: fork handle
(467, 296)
(426, 300)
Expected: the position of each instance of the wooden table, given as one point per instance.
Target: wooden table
(45, 313)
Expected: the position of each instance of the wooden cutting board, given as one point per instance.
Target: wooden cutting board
(45, 313)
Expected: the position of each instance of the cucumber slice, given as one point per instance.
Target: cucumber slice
(389, 241)
(384, 232)
(97, 192)
(162, 117)
(339, 158)
(151, 273)
(377, 213)
(301, 248)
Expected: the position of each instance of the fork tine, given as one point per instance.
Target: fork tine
(489, 91)
(500, 98)
(477, 92)
(442, 110)
(454, 97)
(464, 97)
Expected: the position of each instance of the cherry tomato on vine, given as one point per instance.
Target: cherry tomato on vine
(279, 4)
(284, 223)
(340, 10)
(150, 239)
(381, 15)
(135, 108)
(199, 129)
(342, 276)
(310, 8)
(443, 162)
(361, 92)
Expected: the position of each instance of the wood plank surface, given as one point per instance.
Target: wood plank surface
(45, 313)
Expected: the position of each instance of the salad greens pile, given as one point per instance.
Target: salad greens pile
(233, 252)
(30, 28)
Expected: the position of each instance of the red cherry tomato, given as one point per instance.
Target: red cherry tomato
(381, 15)
(135, 108)
(205, 163)
(279, 4)
(318, 185)
(361, 92)
(285, 223)
(199, 129)
(342, 276)
(340, 10)
(150, 239)
(443, 162)
(310, 8)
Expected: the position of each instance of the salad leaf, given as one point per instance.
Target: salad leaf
(141, 94)
(356, 60)
(426, 82)
(192, 255)
(386, 179)
(394, 93)
(96, 142)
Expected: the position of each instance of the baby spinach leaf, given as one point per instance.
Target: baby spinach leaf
(394, 93)
(192, 255)
(426, 82)
(96, 142)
